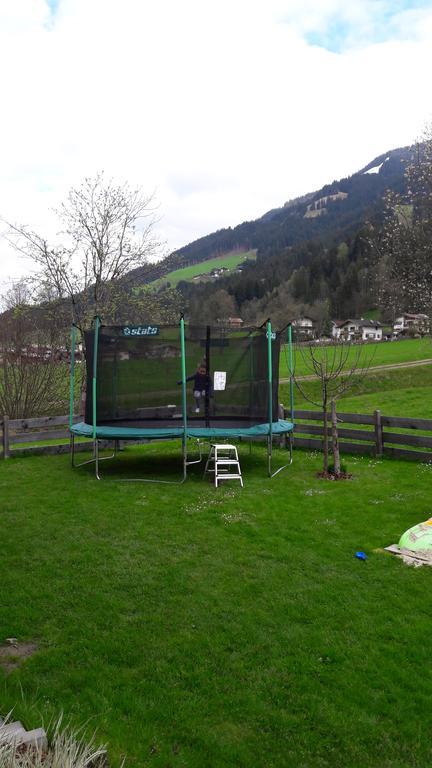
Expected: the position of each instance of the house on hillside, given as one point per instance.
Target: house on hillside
(230, 322)
(336, 327)
(235, 322)
(418, 323)
(304, 327)
(360, 330)
(218, 271)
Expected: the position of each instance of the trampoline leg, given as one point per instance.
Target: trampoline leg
(185, 462)
(269, 455)
(284, 466)
(96, 458)
(164, 482)
(196, 461)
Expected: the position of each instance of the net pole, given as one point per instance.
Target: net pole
(270, 392)
(94, 388)
(291, 372)
(207, 389)
(251, 382)
(72, 376)
(270, 374)
(183, 376)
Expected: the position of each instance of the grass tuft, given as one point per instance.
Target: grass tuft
(67, 749)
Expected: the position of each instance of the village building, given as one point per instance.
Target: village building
(336, 327)
(235, 322)
(418, 323)
(360, 330)
(230, 322)
(304, 327)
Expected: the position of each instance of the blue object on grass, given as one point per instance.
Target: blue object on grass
(361, 555)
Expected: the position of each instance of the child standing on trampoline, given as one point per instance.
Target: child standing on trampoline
(201, 385)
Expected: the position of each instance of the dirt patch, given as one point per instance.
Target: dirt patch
(331, 476)
(13, 653)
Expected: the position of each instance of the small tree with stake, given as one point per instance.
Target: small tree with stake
(337, 366)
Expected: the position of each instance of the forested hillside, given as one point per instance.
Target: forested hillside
(312, 253)
(292, 224)
(327, 278)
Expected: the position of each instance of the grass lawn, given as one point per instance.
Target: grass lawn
(384, 353)
(401, 392)
(415, 402)
(229, 260)
(194, 627)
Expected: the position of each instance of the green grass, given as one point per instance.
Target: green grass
(416, 403)
(194, 627)
(373, 314)
(383, 353)
(229, 260)
(400, 392)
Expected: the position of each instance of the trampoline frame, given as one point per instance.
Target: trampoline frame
(96, 458)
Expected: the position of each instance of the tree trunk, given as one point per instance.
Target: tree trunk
(325, 438)
(335, 440)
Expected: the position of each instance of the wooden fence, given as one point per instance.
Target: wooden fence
(378, 435)
(17, 435)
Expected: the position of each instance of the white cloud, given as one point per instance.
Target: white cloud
(226, 109)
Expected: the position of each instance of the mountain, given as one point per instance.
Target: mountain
(328, 212)
(335, 207)
(312, 255)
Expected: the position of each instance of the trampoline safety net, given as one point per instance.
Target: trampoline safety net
(139, 371)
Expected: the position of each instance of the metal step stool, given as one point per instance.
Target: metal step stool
(221, 459)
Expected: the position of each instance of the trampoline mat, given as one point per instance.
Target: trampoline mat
(154, 430)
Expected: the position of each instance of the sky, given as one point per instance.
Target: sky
(223, 110)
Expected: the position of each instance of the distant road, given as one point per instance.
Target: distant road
(388, 367)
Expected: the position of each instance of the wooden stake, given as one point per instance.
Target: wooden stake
(6, 450)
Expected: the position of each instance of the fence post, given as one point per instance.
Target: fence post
(6, 451)
(378, 434)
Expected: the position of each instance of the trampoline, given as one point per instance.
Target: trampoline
(155, 382)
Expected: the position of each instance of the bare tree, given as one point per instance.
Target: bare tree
(337, 367)
(108, 231)
(32, 357)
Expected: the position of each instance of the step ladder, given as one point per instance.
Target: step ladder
(223, 461)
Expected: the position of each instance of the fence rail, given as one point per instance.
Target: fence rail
(15, 433)
(375, 438)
